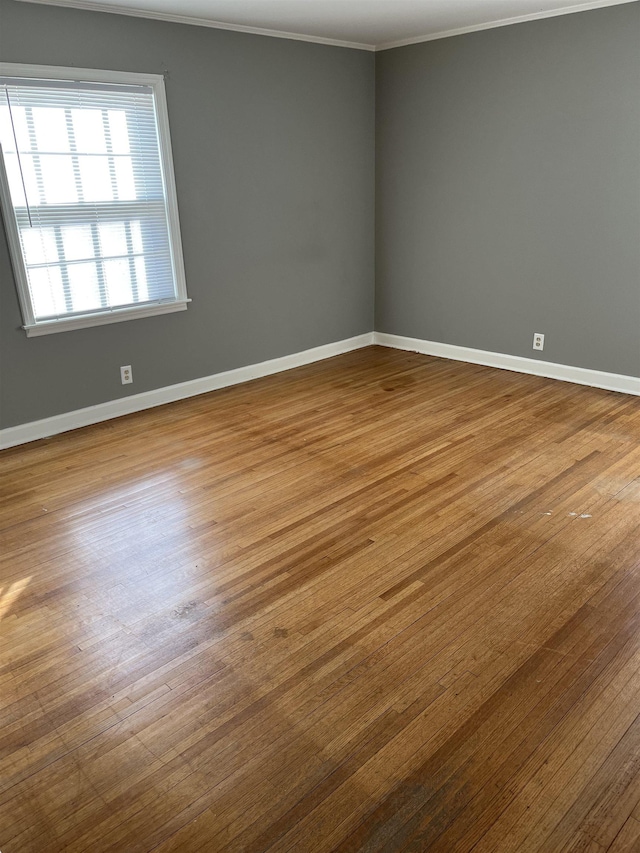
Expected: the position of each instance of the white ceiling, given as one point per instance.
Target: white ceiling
(368, 24)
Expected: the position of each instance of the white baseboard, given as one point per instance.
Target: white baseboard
(565, 372)
(24, 433)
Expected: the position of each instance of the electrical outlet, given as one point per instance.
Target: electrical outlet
(538, 341)
(126, 375)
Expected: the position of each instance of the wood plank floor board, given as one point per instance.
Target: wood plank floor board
(384, 602)
(539, 759)
(628, 839)
(480, 781)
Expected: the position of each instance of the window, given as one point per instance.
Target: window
(88, 196)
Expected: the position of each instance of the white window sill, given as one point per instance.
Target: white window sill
(68, 324)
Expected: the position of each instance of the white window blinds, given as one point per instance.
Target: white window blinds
(88, 192)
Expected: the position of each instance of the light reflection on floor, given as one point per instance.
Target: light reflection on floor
(11, 594)
(135, 550)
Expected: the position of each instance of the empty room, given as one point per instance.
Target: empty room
(319, 426)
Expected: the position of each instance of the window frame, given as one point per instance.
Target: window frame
(31, 325)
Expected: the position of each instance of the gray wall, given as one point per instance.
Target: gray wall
(273, 145)
(507, 197)
(508, 189)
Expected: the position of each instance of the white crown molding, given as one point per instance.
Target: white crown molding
(24, 433)
(504, 22)
(564, 372)
(87, 5)
(199, 22)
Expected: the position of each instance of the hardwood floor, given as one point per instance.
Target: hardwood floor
(384, 602)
